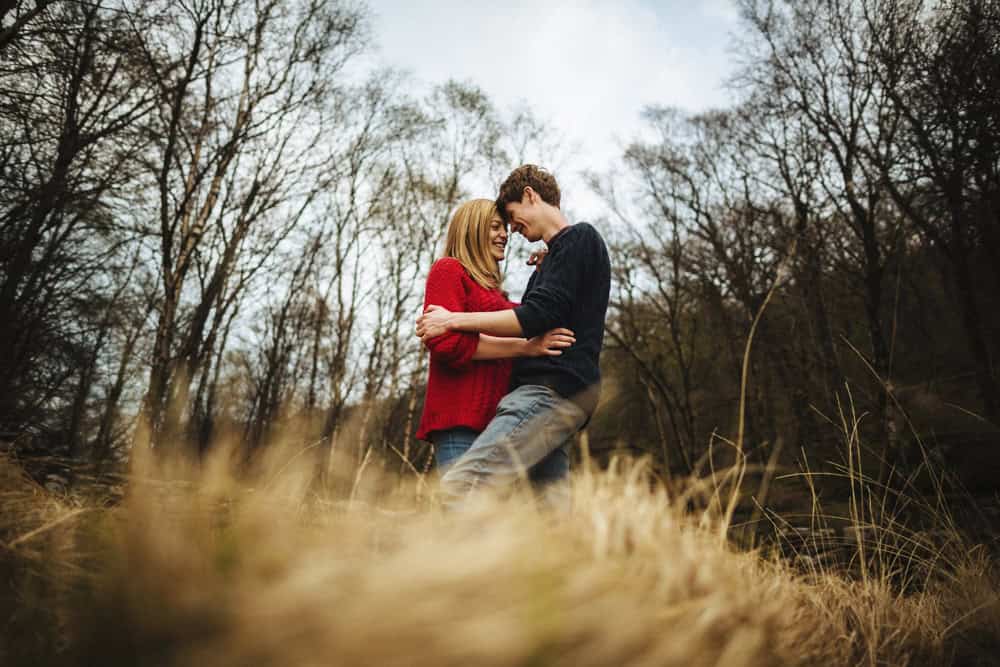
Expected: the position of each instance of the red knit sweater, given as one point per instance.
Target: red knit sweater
(460, 391)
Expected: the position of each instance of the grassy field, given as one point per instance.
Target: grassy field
(200, 566)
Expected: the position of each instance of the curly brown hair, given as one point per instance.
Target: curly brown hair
(527, 175)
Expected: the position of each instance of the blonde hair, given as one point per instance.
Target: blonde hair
(468, 241)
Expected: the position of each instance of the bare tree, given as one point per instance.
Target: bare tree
(810, 58)
(789, 163)
(240, 116)
(940, 68)
(69, 126)
(21, 18)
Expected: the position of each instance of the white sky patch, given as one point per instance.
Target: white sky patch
(587, 67)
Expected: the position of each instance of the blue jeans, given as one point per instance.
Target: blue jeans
(528, 438)
(450, 444)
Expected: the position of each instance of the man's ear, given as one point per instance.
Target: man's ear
(529, 196)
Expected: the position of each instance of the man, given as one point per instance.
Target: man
(551, 398)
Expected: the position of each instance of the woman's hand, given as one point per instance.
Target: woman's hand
(551, 343)
(536, 257)
(433, 322)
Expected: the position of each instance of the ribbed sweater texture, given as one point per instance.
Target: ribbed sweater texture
(460, 391)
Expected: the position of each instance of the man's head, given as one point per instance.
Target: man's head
(529, 201)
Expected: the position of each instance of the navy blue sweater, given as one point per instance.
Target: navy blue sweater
(570, 289)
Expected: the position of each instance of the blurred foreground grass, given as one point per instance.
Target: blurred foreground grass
(201, 566)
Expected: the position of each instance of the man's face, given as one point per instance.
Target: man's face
(523, 216)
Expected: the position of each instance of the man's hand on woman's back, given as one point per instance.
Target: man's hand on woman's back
(551, 343)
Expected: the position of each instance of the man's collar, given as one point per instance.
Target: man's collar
(558, 234)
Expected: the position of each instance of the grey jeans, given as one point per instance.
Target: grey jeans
(528, 438)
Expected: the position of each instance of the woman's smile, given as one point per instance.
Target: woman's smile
(498, 238)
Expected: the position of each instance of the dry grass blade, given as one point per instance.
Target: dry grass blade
(48, 526)
(203, 566)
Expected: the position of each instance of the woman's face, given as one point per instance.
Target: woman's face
(498, 238)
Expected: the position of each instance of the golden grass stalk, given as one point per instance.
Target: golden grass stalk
(200, 565)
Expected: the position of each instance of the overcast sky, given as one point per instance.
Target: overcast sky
(588, 67)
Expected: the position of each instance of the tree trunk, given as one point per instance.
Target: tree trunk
(973, 324)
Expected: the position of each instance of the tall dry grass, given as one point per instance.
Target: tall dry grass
(200, 565)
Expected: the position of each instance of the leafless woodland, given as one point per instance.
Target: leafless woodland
(215, 225)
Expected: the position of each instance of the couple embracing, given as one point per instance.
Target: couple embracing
(511, 384)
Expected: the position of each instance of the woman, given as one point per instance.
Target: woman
(470, 372)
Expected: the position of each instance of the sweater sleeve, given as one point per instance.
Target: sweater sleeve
(550, 304)
(445, 288)
(530, 285)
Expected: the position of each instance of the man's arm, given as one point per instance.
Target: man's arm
(550, 344)
(437, 321)
(501, 323)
